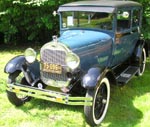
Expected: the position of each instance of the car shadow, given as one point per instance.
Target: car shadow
(43, 105)
(122, 112)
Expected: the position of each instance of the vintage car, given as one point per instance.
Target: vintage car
(100, 44)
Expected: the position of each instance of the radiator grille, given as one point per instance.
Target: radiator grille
(53, 57)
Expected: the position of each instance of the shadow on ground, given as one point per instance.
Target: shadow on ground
(122, 110)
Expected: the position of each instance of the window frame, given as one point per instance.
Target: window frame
(126, 29)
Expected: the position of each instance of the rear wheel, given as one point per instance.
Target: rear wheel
(142, 63)
(96, 113)
(14, 98)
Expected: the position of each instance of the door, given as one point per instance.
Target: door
(126, 36)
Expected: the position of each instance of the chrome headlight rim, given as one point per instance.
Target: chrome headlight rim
(30, 55)
(72, 61)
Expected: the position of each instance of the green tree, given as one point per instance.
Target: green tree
(146, 18)
(24, 21)
(28, 20)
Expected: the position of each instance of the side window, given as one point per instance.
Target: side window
(136, 18)
(123, 20)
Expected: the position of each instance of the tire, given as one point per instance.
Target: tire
(96, 113)
(142, 63)
(14, 98)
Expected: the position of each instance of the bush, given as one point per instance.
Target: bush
(24, 21)
(146, 18)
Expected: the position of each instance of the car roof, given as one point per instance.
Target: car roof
(98, 5)
(107, 3)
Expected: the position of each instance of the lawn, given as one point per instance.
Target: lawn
(129, 105)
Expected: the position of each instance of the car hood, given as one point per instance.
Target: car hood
(80, 38)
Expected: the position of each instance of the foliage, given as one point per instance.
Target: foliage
(32, 20)
(146, 18)
(28, 20)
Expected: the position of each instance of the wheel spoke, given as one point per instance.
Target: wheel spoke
(101, 100)
(96, 113)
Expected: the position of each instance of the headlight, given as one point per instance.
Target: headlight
(30, 55)
(72, 61)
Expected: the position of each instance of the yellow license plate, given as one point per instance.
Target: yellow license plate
(52, 68)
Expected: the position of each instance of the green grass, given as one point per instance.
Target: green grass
(129, 105)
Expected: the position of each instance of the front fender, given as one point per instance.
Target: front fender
(14, 64)
(91, 78)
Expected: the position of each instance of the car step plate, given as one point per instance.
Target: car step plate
(127, 74)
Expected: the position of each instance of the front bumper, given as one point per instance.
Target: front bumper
(49, 95)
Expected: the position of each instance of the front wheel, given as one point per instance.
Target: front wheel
(14, 98)
(95, 114)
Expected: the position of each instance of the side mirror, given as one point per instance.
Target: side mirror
(54, 13)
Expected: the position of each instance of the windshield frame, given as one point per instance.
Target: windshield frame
(67, 28)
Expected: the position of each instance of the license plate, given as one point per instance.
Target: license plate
(52, 68)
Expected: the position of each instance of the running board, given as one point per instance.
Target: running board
(127, 74)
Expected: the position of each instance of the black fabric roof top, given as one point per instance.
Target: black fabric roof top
(109, 3)
(97, 5)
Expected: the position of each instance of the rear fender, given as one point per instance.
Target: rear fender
(139, 48)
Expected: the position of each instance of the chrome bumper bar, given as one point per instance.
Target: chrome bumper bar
(49, 95)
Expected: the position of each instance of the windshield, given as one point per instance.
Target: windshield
(96, 20)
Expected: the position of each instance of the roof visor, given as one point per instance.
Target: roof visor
(86, 8)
